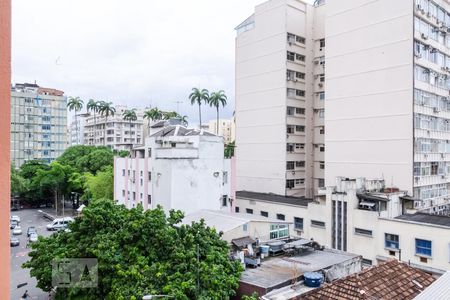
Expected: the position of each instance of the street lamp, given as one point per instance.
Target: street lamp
(149, 297)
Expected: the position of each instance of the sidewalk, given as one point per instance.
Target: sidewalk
(50, 213)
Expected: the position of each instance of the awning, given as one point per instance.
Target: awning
(243, 241)
(371, 197)
(409, 198)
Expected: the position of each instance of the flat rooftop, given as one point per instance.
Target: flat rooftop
(274, 272)
(426, 219)
(299, 201)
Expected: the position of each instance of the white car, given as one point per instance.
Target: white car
(17, 230)
(60, 224)
(33, 238)
(15, 218)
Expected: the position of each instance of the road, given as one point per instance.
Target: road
(19, 255)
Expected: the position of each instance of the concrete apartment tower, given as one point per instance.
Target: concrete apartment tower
(387, 104)
(279, 99)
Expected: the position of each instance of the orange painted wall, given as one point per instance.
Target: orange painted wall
(5, 100)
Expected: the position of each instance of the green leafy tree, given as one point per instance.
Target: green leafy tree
(217, 99)
(76, 104)
(73, 154)
(19, 184)
(229, 150)
(33, 193)
(95, 161)
(93, 106)
(106, 110)
(130, 116)
(184, 120)
(100, 185)
(139, 253)
(123, 153)
(170, 115)
(254, 296)
(198, 96)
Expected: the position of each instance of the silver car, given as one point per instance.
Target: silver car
(14, 241)
(33, 238)
(17, 230)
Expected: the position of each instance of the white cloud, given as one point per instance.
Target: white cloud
(136, 52)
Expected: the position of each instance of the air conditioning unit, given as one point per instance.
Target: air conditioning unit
(293, 172)
(316, 62)
(428, 15)
(416, 178)
(320, 84)
(424, 36)
(290, 43)
(436, 110)
(442, 155)
(295, 80)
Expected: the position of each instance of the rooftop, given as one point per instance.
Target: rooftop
(299, 201)
(178, 130)
(276, 272)
(225, 221)
(387, 280)
(438, 290)
(426, 218)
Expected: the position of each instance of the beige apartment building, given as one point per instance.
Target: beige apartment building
(38, 123)
(280, 84)
(227, 129)
(120, 134)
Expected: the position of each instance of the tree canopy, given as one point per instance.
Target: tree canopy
(139, 252)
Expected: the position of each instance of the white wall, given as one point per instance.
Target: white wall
(369, 91)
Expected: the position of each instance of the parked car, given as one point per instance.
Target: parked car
(33, 238)
(59, 224)
(31, 230)
(17, 230)
(12, 224)
(14, 241)
(15, 218)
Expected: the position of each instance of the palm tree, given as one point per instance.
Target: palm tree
(76, 104)
(184, 120)
(216, 99)
(198, 96)
(153, 114)
(171, 115)
(106, 109)
(93, 106)
(130, 116)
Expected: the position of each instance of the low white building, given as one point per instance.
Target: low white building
(363, 217)
(177, 168)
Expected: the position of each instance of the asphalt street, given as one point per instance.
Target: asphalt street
(19, 255)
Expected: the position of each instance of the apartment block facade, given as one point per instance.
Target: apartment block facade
(38, 123)
(227, 129)
(280, 92)
(120, 134)
(396, 127)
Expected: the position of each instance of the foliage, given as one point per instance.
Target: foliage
(197, 96)
(75, 103)
(33, 192)
(215, 100)
(139, 252)
(29, 169)
(171, 115)
(153, 114)
(87, 158)
(254, 296)
(93, 106)
(229, 150)
(100, 185)
(129, 115)
(123, 153)
(106, 109)
(19, 184)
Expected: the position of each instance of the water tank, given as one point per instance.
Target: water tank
(264, 249)
(313, 279)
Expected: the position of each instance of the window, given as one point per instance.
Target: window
(290, 183)
(423, 247)
(290, 37)
(142, 173)
(299, 57)
(322, 78)
(236, 209)
(134, 195)
(278, 231)
(322, 165)
(322, 43)
(290, 92)
(322, 130)
(149, 199)
(149, 152)
(300, 93)
(249, 211)
(299, 146)
(299, 128)
(322, 148)
(140, 196)
(149, 176)
(290, 129)
(321, 113)
(290, 111)
(322, 95)
(300, 164)
(265, 214)
(366, 262)
(290, 56)
(244, 227)
(290, 165)
(391, 241)
(300, 75)
(360, 231)
(280, 217)
(315, 223)
(224, 200)
(123, 193)
(321, 182)
(173, 145)
(290, 147)
(225, 177)
(299, 111)
(298, 223)
(299, 181)
(299, 39)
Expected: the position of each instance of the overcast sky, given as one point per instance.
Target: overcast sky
(135, 52)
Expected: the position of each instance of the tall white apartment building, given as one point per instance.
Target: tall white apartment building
(280, 92)
(177, 168)
(76, 129)
(227, 129)
(388, 104)
(120, 134)
(38, 123)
